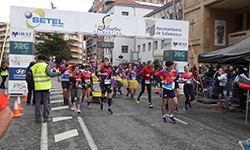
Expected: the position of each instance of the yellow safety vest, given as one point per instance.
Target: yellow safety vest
(41, 79)
(4, 73)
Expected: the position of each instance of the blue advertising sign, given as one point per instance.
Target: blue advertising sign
(17, 73)
(25, 48)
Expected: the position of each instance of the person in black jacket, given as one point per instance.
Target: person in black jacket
(30, 83)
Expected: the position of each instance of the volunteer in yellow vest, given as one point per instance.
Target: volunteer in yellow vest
(4, 74)
(41, 75)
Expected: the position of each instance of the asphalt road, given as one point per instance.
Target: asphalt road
(132, 127)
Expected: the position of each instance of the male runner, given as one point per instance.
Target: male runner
(167, 76)
(65, 80)
(105, 72)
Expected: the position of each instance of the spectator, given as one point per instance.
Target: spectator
(209, 70)
(5, 115)
(223, 82)
(4, 73)
(30, 83)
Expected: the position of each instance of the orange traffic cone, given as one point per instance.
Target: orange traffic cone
(146, 89)
(16, 110)
(157, 91)
(19, 103)
(25, 96)
(6, 94)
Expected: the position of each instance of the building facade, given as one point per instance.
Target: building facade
(216, 24)
(3, 28)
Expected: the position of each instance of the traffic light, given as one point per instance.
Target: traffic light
(84, 37)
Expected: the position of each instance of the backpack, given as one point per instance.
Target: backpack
(29, 76)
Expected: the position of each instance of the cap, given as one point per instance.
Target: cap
(41, 57)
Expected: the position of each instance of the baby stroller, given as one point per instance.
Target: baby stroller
(96, 91)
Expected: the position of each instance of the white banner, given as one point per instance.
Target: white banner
(22, 35)
(178, 44)
(17, 87)
(17, 61)
(48, 20)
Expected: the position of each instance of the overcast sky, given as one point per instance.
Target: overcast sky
(72, 5)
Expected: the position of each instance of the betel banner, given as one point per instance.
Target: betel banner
(48, 20)
(24, 48)
(17, 74)
(16, 60)
(17, 87)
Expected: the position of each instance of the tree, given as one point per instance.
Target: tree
(156, 62)
(53, 44)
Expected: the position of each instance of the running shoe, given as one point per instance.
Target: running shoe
(73, 106)
(110, 111)
(189, 104)
(120, 91)
(243, 145)
(185, 108)
(167, 107)
(138, 100)
(89, 106)
(150, 105)
(78, 111)
(82, 102)
(127, 94)
(101, 107)
(172, 120)
(163, 119)
(176, 109)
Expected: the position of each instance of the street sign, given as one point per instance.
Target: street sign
(105, 44)
(120, 57)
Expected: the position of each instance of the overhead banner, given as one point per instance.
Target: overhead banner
(23, 35)
(46, 20)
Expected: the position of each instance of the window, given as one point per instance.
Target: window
(239, 22)
(149, 46)
(155, 45)
(100, 1)
(124, 49)
(144, 47)
(248, 20)
(162, 44)
(154, 1)
(148, 1)
(139, 48)
(100, 9)
(125, 13)
(161, 2)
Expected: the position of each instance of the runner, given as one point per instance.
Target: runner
(187, 78)
(77, 83)
(133, 83)
(127, 75)
(176, 87)
(105, 71)
(120, 78)
(147, 74)
(65, 80)
(89, 81)
(167, 76)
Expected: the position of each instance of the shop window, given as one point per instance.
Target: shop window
(239, 22)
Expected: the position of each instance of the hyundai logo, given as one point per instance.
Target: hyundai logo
(20, 71)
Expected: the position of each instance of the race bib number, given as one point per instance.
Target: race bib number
(121, 75)
(147, 81)
(107, 81)
(93, 74)
(188, 81)
(133, 78)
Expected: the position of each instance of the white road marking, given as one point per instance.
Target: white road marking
(60, 118)
(44, 137)
(65, 135)
(178, 120)
(53, 93)
(59, 108)
(56, 101)
(87, 134)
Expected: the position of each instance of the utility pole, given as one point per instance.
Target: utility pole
(174, 10)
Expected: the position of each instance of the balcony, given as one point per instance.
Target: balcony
(90, 44)
(74, 44)
(80, 57)
(3, 29)
(74, 56)
(108, 1)
(74, 50)
(73, 38)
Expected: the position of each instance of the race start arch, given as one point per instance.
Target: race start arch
(25, 21)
